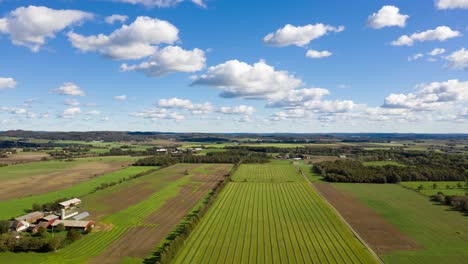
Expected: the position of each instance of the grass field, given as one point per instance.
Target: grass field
(442, 233)
(15, 207)
(284, 221)
(382, 163)
(428, 187)
(117, 215)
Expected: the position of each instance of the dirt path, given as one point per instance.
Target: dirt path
(381, 235)
(39, 184)
(140, 241)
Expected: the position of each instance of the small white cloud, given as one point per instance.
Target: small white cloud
(120, 97)
(31, 26)
(134, 41)
(69, 88)
(160, 3)
(300, 35)
(237, 110)
(70, 112)
(314, 54)
(7, 83)
(155, 114)
(436, 52)
(116, 18)
(387, 16)
(440, 33)
(451, 4)
(416, 56)
(458, 60)
(169, 60)
(72, 102)
(93, 112)
(185, 104)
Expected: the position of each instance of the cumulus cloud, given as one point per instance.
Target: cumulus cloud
(70, 112)
(116, 18)
(169, 60)
(458, 60)
(72, 102)
(436, 52)
(289, 114)
(120, 97)
(69, 88)
(297, 97)
(387, 16)
(134, 41)
(160, 3)
(31, 26)
(430, 96)
(440, 33)
(300, 35)
(239, 79)
(155, 114)
(315, 54)
(337, 106)
(451, 4)
(237, 110)
(5, 83)
(185, 104)
(416, 56)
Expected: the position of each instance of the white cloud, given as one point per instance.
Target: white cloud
(69, 88)
(451, 4)
(458, 60)
(387, 16)
(93, 112)
(299, 36)
(240, 79)
(160, 3)
(430, 96)
(168, 60)
(134, 41)
(336, 106)
(297, 97)
(185, 104)
(72, 102)
(236, 110)
(120, 97)
(314, 54)
(31, 26)
(70, 112)
(289, 114)
(116, 18)
(436, 52)
(7, 83)
(155, 114)
(440, 33)
(416, 56)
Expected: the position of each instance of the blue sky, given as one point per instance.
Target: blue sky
(234, 66)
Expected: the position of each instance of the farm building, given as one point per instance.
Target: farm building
(44, 224)
(50, 217)
(70, 203)
(74, 224)
(19, 226)
(31, 217)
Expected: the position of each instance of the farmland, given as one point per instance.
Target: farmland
(137, 208)
(431, 188)
(442, 234)
(271, 215)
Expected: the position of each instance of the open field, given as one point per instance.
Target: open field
(159, 202)
(442, 233)
(428, 187)
(271, 222)
(42, 177)
(23, 157)
(382, 163)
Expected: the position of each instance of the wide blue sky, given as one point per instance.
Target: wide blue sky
(234, 66)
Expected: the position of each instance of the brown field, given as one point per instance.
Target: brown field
(43, 183)
(382, 236)
(23, 157)
(140, 241)
(317, 159)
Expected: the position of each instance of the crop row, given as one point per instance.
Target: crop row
(267, 173)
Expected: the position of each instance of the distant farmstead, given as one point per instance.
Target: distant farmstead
(74, 224)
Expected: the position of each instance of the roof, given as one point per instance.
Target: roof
(81, 216)
(70, 202)
(50, 217)
(43, 224)
(72, 223)
(32, 215)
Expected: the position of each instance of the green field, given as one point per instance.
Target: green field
(284, 221)
(164, 187)
(15, 207)
(428, 187)
(382, 163)
(44, 167)
(442, 233)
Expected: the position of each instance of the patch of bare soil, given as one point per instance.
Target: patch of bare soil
(23, 158)
(382, 236)
(317, 159)
(38, 184)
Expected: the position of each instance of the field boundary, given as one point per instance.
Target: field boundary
(377, 257)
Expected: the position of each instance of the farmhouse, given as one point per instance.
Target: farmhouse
(31, 217)
(70, 203)
(74, 224)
